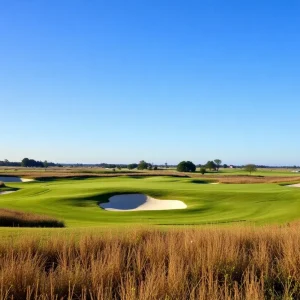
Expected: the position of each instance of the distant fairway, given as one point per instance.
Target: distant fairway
(76, 201)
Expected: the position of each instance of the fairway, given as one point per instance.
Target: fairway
(76, 201)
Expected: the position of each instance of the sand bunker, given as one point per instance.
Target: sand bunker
(14, 179)
(135, 202)
(295, 185)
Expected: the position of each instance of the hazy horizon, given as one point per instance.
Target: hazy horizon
(160, 81)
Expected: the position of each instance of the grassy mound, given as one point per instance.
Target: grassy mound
(12, 218)
(209, 263)
(2, 184)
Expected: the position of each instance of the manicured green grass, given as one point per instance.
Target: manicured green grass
(76, 201)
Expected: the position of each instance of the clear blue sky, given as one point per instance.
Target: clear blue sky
(121, 81)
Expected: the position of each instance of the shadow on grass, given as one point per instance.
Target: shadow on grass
(96, 200)
(202, 181)
(51, 179)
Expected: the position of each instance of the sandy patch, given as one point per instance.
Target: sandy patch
(14, 179)
(294, 185)
(6, 192)
(135, 202)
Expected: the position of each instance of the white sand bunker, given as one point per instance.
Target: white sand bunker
(135, 202)
(295, 185)
(14, 179)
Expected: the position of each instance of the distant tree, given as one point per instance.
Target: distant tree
(119, 168)
(218, 163)
(150, 167)
(211, 165)
(250, 168)
(25, 162)
(8, 163)
(45, 164)
(155, 168)
(225, 166)
(166, 165)
(202, 170)
(132, 166)
(142, 165)
(186, 166)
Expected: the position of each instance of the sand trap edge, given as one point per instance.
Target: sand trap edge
(140, 202)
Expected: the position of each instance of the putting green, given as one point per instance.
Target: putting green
(76, 201)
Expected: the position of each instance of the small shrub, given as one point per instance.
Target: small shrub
(202, 171)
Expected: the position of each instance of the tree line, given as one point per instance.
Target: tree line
(211, 165)
(27, 162)
(183, 166)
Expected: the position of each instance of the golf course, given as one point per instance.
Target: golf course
(149, 150)
(76, 201)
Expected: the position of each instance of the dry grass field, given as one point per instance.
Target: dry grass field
(207, 263)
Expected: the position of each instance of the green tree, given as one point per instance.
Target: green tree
(218, 163)
(132, 166)
(25, 162)
(45, 164)
(142, 165)
(211, 165)
(250, 168)
(186, 166)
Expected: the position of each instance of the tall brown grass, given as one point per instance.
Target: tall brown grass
(14, 218)
(207, 263)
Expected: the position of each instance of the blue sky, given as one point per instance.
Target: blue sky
(121, 81)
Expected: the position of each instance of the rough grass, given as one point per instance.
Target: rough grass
(207, 263)
(12, 218)
(2, 184)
